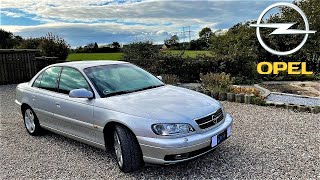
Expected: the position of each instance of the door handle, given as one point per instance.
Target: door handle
(58, 104)
(33, 98)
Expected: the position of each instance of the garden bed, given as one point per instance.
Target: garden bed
(307, 88)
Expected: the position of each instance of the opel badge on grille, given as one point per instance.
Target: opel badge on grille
(214, 119)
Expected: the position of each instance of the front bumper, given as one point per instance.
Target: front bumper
(18, 107)
(155, 149)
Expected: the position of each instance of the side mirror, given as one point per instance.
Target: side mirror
(80, 93)
(160, 78)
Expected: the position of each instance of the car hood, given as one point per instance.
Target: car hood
(164, 103)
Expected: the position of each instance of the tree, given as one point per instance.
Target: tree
(54, 46)
(310, 51)
(172, 41)
(312, 9)
(79, 49)
(140, 51)
(89, 47)
(95, 47)
(175, 38)
(236, 50)
(49, 45)
(115, 45)
(30, 43)
(8, 40)
(240, 50)
(205, 34)
(198, 44)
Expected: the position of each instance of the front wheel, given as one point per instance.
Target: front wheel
(127, 150)
(31, 122)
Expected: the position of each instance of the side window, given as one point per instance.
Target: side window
(72, 79)
(36, 82)
(49, 79)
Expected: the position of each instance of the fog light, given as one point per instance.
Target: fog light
(181, 156)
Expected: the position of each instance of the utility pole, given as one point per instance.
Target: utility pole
(184, 34)
(189, 33)
(186, 29)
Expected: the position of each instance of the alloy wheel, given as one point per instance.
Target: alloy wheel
(117, 148)
(29, 120)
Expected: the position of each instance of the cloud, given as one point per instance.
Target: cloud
(12, 14)
(82, 33)
(127, 20)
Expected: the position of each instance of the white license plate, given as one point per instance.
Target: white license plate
(217, 139)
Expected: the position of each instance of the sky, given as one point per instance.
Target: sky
(81, 22)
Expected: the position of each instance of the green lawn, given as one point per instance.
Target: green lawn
(94, 56)
(118, 56)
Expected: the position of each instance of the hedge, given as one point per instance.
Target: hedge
(189, 69)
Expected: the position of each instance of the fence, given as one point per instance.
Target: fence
(20, 65)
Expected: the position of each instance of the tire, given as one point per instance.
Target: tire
(31, 122)
(127, 150)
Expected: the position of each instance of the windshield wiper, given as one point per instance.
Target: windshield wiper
(116, 93)
(131, 91)
(148, 87)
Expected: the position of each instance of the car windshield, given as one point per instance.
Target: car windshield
(117, 79)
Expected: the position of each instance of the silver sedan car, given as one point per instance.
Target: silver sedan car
(117, 105)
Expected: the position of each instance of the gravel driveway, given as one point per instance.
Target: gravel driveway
(266, 143)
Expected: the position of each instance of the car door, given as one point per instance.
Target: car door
(74, 115)
(43, 94)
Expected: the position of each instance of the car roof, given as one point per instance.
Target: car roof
(86, 64)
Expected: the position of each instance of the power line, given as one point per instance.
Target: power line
(186, 32)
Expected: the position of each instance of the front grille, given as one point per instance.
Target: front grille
(211, 119)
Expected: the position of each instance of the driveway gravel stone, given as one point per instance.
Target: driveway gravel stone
(267, 143)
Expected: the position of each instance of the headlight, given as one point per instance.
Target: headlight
(169, 129)
(224, 113)
(222, 108)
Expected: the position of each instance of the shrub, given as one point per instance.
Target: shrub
(141, 51)
(245, 90)
(188, 69)
(31, 43)
(170, 79)
(243, 80)
(50, 45)
(258, 100)
(220, 82)
(284, 76)
(9, 40)
(54, 46)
